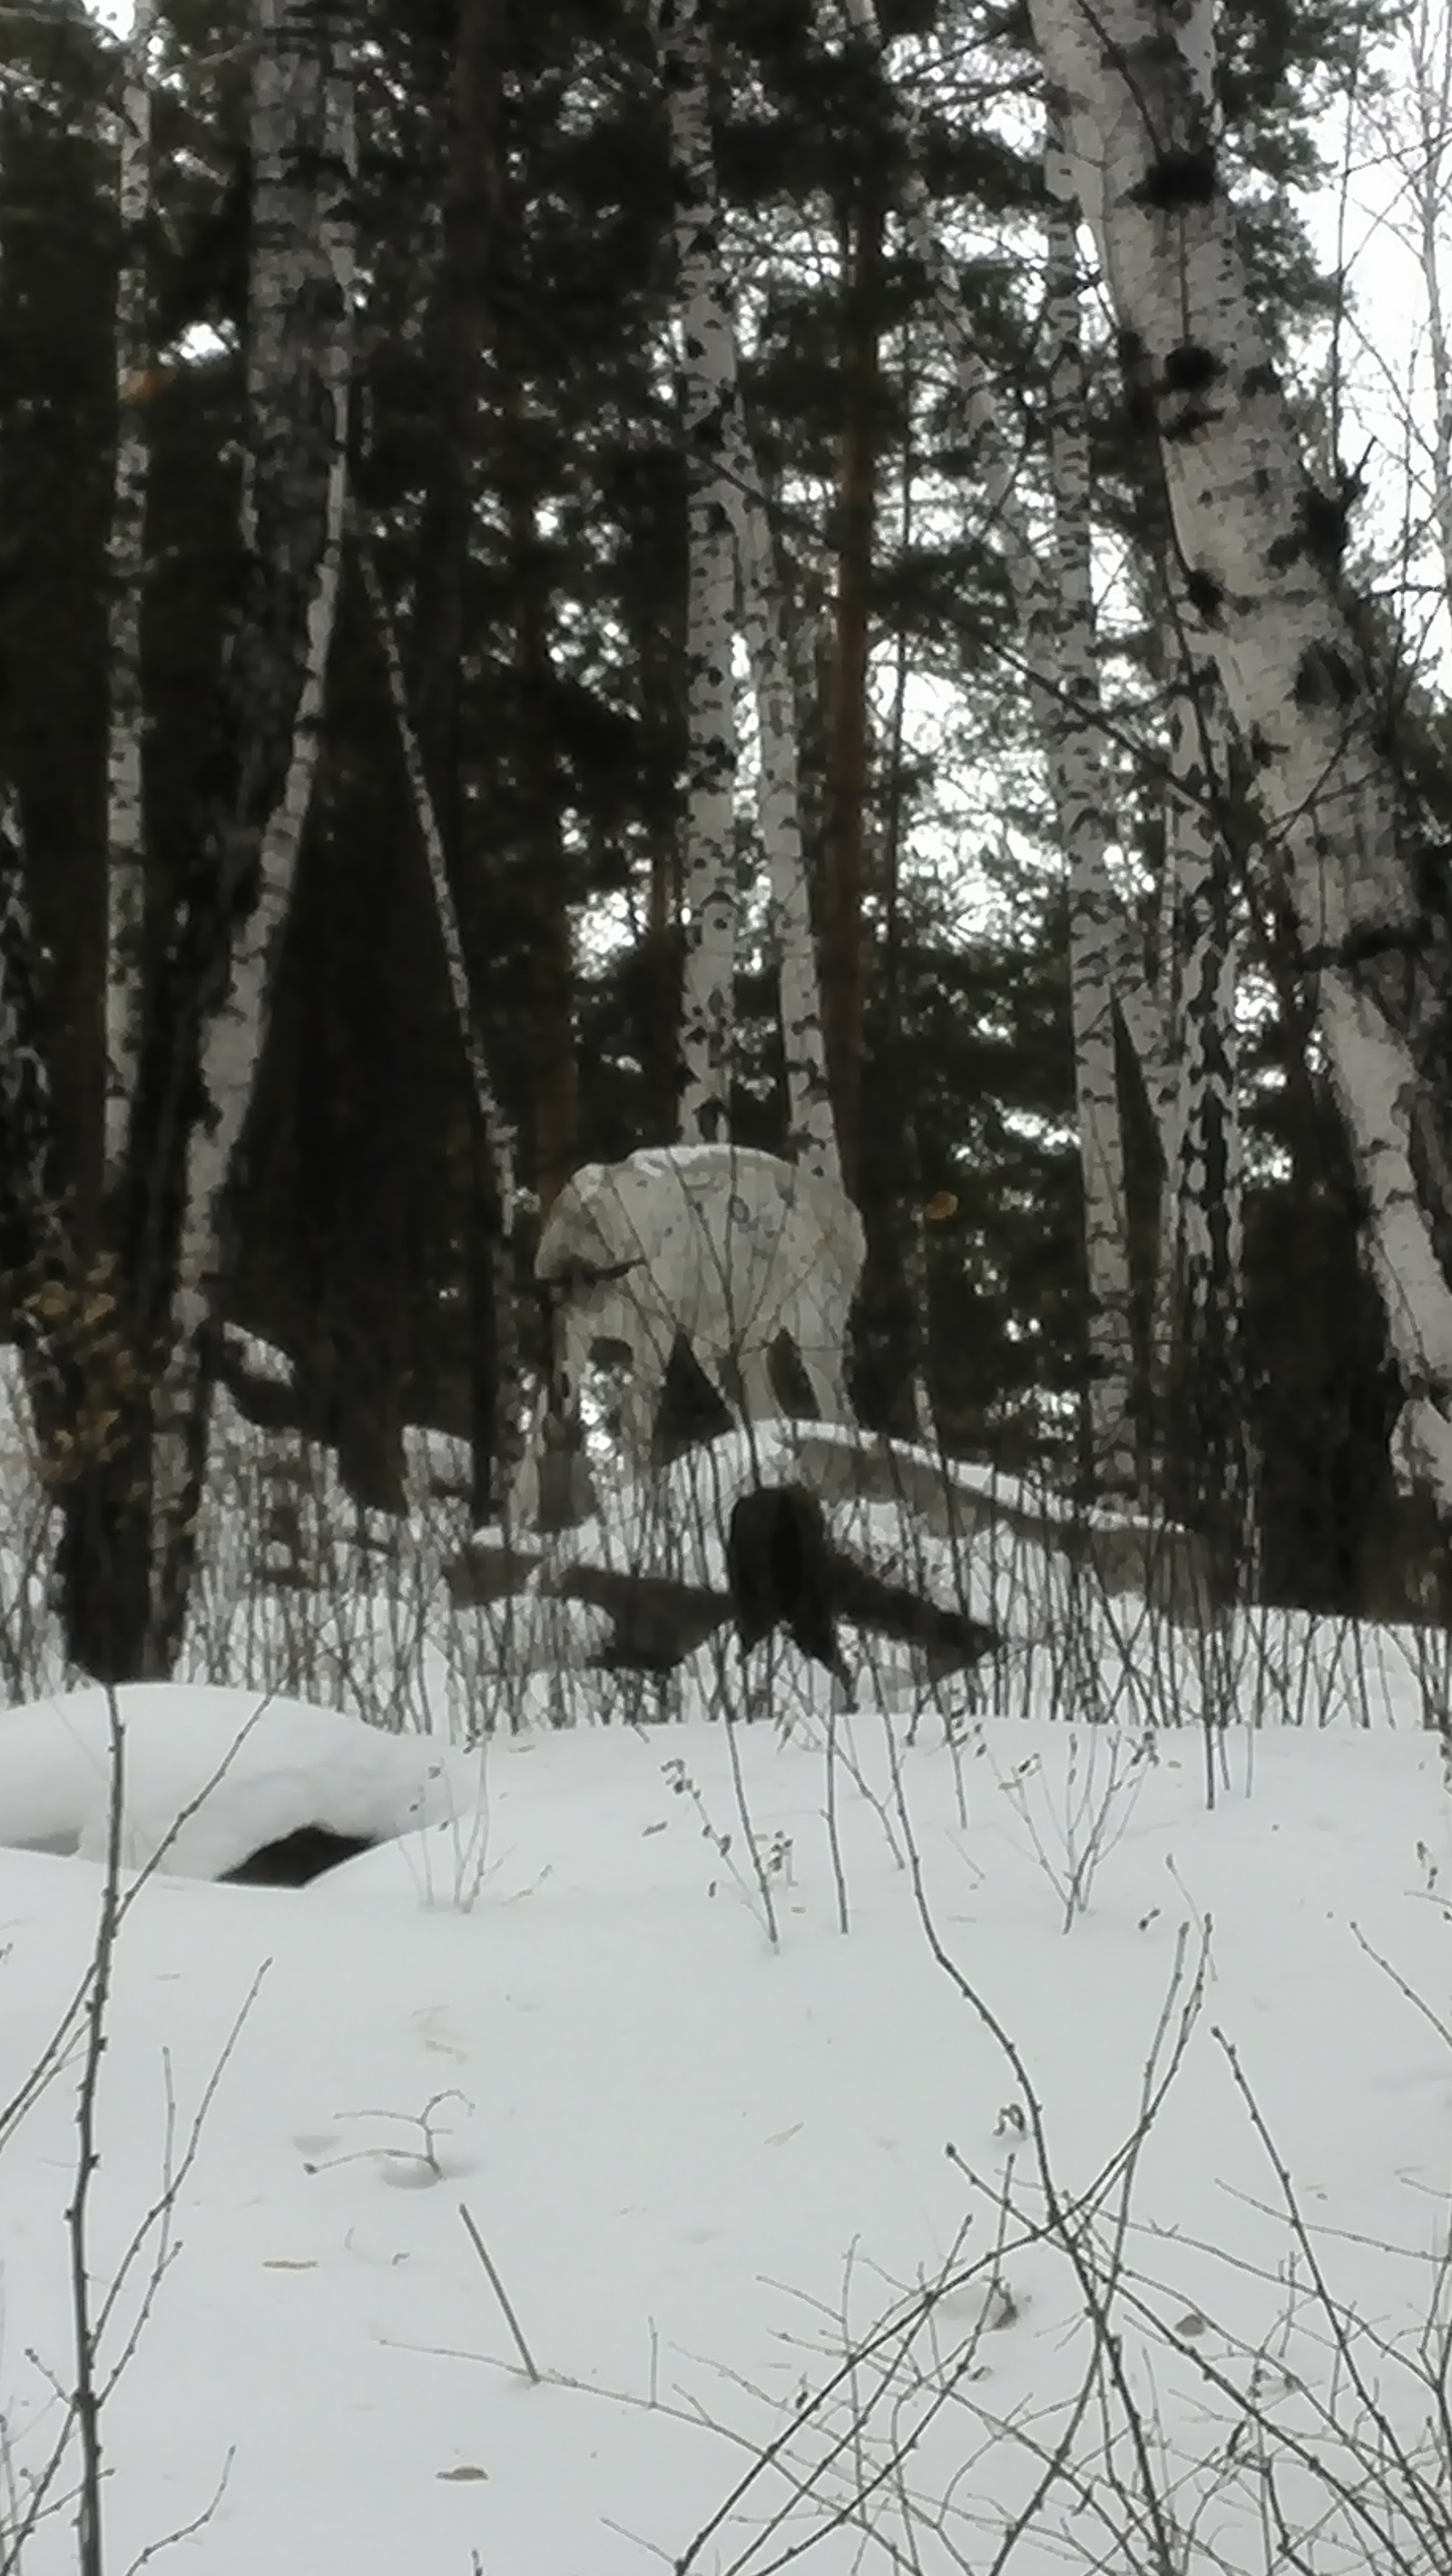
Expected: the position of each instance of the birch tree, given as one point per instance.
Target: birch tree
(1198, 1302)
(720, 434)
(709, 896)
(126, 826)
(221, 959)
(1260, 544)
(1063, 644)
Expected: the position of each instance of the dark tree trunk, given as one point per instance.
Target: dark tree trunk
(844, 838)
(142, 1425)
(457, 334)
(541, 852)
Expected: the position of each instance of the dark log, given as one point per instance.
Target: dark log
(783, 1572)
(780, 1568)
(657, 1621)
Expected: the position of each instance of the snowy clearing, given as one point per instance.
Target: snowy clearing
(701, 2162)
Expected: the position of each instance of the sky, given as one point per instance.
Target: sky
(1355, 221)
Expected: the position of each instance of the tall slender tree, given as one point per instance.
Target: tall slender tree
(1064, 647)
(135, 385)
(710, 899)
(844, 871)
(460, 324)
(132, 1538)
(1262, 548)
(711, 345)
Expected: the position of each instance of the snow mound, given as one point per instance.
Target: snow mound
(221, 1772)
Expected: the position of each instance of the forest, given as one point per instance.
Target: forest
(802, 579)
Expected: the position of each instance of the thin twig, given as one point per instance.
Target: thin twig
(500, 2292)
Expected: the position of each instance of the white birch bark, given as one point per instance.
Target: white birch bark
(1198, 1301)
(811, 1129)
(1072, 718)
(718, 433)
(300, 335)
(1246, 526)
(125, 811)
(710, 899)
(1208, 1166)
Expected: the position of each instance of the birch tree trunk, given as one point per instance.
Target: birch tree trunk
(718, 435)
(300, 328)
(709, 899)
(1199, 1287)
(1260, 555)
(811, 1130)
(125, 816)
(1065, 660)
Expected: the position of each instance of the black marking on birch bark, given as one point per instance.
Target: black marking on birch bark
(1205, 595)
(1324, 677)
(1182, 177)
(1326, 520)
(1189, 368)
(1189, 423)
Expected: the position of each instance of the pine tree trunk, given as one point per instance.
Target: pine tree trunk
(844, 837)
(126, 823)
(457, 331)
(44, 1296)
(1260, 546)
(223, 955)
(542, 850)
(498, 1407)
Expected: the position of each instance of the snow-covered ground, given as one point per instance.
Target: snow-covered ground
(707, 2163)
